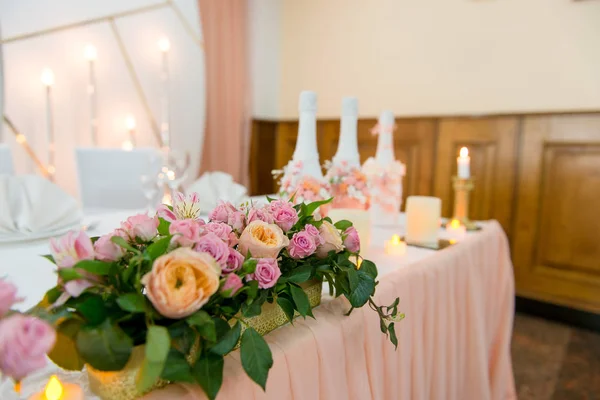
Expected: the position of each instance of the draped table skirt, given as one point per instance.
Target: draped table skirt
(453, 344)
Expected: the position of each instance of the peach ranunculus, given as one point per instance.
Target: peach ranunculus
(181, 282)
(332, 240)
(262, 240)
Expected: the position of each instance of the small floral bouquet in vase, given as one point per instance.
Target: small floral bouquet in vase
(165, 298)
(300, 187)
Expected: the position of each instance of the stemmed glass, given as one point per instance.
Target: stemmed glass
(151, 180)
(177, 167)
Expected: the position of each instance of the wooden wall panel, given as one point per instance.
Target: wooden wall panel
(556, 251)
(492, 144)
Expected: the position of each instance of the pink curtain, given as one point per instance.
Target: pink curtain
(226, 139)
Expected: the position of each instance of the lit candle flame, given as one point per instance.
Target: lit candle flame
(54, 389)
(455, 224)
(464, 152)
(395, 240)
(127, 145)
(90, 52)
(47, 77)
(130, 122)
(164, 45)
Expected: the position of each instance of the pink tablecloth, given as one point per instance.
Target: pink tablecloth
(453, 344)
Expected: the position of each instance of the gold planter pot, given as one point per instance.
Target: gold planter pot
(120, 385)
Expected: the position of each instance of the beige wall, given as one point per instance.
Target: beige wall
(432, 57)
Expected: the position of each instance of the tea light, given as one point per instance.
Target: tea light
(361, 220)
(55, 390)
(423, 219)
(456, 230)
(395, 246)
(464, 164)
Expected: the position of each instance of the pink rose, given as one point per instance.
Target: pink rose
(266, 274)
(24, 343)
(222, 212)
(213, 245)
(186, 232)
(302, 245)
(234, 261)
(223, 231)
(283, 214)
(314, 233)
(231, 286)
(352, 240)
(107, 250)
(67, 251)
(141, 226)
(8, 296)
(237, 220)
(260, 214)
(261, 239)
(332, 240)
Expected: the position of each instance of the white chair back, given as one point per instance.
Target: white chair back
(6, 163)
(112, 178)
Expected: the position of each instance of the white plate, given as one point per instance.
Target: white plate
(19, 238)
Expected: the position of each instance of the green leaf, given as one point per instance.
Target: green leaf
(64, 353)
(208, 372)
(382, 326)
(158, 248)
(118, 240)
(393, 306)
(69, 274)
(301, 300)
(163, 227)
(204, 323)
(364, 290)
(157, 347)
(95, 267)
(287, 307)
(393, 337)
(300, 274)
(183, 336)
(228, 342)
(50, 258)
(105, 347)
(132, 302)
(311, 208)
(93, 310)
(270, 199)
(53, 294)
(249, 266)
(343, 225)
(369, 267)
(352, 279)
(256, 357)
(178, 370)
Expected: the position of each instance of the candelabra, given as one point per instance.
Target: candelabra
(462, 189)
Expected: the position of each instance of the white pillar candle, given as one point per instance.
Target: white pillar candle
(456, 230)
(130, 124)
(55, 390)
(423, 219)
(91, 55)
(48, 81)
(360, 220)
(464, 164)
(395, 246)
(165, 130)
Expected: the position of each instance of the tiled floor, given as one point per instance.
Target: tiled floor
(552, 361)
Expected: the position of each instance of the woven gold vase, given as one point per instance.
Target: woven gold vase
(120, 385)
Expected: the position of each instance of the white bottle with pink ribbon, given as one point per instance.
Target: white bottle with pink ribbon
(384, 174)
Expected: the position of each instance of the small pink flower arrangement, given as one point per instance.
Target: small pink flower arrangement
(299, 187)
(170, 280)
(349, 186)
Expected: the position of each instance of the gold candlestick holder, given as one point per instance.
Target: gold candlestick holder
(462, 189)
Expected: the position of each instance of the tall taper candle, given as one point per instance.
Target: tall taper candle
(48, 81)
(464, 164)
(165, 129)
(91, 55)
(130, 124)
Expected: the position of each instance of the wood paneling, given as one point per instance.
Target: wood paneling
(555, 251)
(492, 144)
(262, 157)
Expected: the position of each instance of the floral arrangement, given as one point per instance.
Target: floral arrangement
(385, 184)
(349, 185)
(184, 288)
(300, 187)
(24, 340)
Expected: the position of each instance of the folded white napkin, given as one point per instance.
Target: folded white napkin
(30, 204)
(214, 186)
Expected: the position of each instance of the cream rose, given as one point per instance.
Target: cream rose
(181, 282)
(262, 240)
(332, 240)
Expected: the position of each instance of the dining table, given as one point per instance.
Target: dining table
(454, 342)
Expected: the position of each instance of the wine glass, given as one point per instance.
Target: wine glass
(178, 163)
(151, 180)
